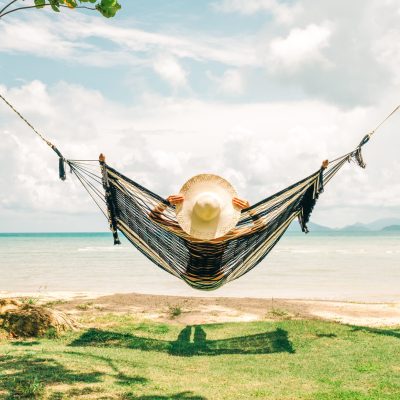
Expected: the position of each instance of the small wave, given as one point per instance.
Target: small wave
(392, 251)
(345, 251)
(99, 249)
(304, 251)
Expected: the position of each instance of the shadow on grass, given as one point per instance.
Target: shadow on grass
(191, 341)
(326, 335)
(25, 343)
(26, 376)
(120, 377)
(177, 396)
(377, 331)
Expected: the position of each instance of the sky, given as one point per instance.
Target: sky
(257, 91)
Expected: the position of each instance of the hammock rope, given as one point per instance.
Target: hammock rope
(51, 145)
(132, 209)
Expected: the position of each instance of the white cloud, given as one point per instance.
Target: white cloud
(39, 36)
(282, 12)
(387, 52)
(309, 90)
(344, 68)
(300, 47)
(231, 81)
(68, 37)
(260, 147)
(339, 61)
(170, 70)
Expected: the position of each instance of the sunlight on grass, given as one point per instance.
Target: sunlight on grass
(132, 359)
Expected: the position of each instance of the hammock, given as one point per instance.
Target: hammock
(204, 265)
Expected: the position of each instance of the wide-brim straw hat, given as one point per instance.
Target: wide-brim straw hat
(207, 211)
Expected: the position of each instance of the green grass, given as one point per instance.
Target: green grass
(122, 358)
(84, 306)
(280, 313)
(30, 300)
(54, 303)
(175, 312)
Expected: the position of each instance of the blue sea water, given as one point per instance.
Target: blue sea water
(345, 266)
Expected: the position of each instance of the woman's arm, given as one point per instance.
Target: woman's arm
(157, 213)
(258, 223)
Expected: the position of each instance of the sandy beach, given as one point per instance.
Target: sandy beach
(204, 310)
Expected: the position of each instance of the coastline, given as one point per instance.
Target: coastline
(321, 267)
(205, 310)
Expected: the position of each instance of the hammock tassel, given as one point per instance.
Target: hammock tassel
(359, 158)
(309, 200)
(109, 200)
(61, 168)
(357, 155)
(306, 207)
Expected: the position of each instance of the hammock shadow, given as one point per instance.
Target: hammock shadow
(377, 331)
(191, 341)
(177, 396)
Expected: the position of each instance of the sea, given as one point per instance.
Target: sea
(350, 266)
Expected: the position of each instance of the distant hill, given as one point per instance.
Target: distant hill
(358, 227)
(383, 223)
(378, 225)
(318, 228)
(295, 227)
(391, 228)
(386, 225)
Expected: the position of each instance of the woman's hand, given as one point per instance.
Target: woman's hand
(175, 199)
(240, 203)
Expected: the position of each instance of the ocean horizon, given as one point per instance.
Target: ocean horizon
(350, 266)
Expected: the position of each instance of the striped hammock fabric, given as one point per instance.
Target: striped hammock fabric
(204, 265)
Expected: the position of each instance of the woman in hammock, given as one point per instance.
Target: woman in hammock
(207, 212)
(177, 199)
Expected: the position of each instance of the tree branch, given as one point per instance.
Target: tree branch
(47, 4)
(6, 6)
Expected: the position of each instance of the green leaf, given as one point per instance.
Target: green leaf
(55, 5)
(69, 3)
(40, 3)
(108, 8)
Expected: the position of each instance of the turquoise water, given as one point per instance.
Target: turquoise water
(356, 266)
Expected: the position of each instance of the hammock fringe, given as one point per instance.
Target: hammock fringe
(112, 214)
(309, 200)
(358, 157)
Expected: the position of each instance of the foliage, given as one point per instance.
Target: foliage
(51, 333)
(108, 8)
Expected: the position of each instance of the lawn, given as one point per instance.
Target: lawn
(119, 357)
